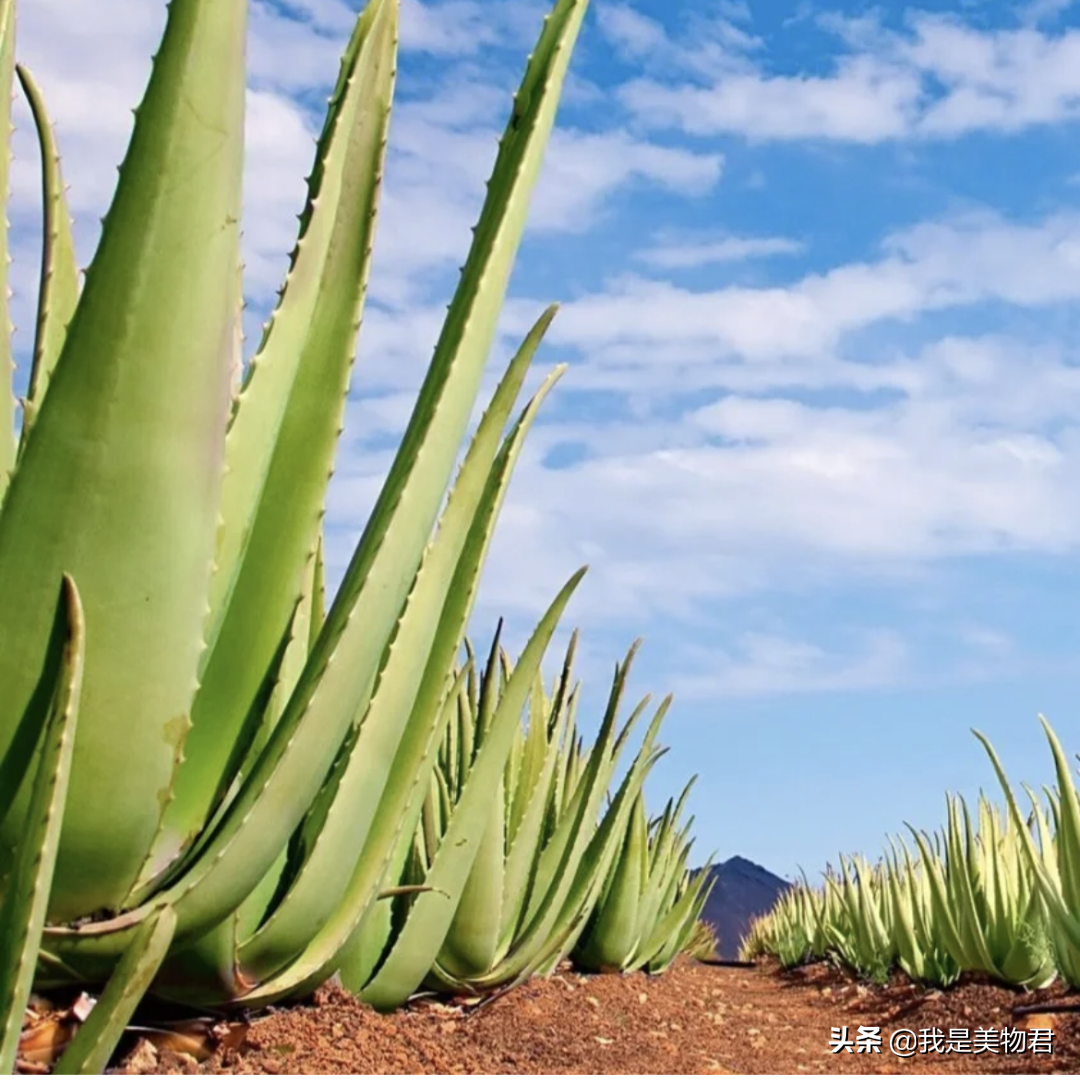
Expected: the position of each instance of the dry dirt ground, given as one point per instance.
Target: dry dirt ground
(696, 1019)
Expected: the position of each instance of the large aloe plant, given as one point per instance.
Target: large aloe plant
(244, 761)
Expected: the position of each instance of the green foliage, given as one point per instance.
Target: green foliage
(990, 894)
(53, 712)
(648, 911)
(515, 845)
(252, 771)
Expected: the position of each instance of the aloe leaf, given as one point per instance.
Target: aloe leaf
(657, 897)
(1065, 922)
(472, 938)
(119, 479)
(542, 950)
(554, 930)
(236, 357)
(89, 1052)
(559, 859)
(7, 364)
(394, 739)
(211, 961)
(59, 289)
(203, 972)
(429, 919)
(280, 446)
(525, 846)
(540, 751)
(292, 664)
(667, 867)
(367, 944)
(265, 712)
(610, 940)
(907, 942)
(945, 927)
(340, 674)
(960, 877)
(1069, 822)
(676, 927)
(53, 711)
(318, 593)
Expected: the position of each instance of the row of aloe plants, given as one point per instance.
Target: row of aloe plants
(214, 786)
(556, 873)
(994, 893)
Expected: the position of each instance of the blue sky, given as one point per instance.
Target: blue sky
(820, 273)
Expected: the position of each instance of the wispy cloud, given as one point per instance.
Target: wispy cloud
(675, 255)
(769, 664)
(969, 260)
(705, 45)
(1039, 11)
(937, 78)
(864, 101)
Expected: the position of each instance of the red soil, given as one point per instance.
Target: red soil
(696, 1019)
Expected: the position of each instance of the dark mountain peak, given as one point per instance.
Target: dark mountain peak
(741, 891)
(738, 865)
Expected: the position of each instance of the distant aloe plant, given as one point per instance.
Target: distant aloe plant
(995, 894)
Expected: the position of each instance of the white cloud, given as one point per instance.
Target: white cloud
(1038, 11)
(93, 66)
(450, 28)
(985, 639)
(770, 664)
(1005, 80)
(582, 168)
(708, 43)
(313, 44)
(435, 182)
(633, 34)
(865, 101)
(969, 260)
(939, 78)
(970, 450)
(280, 149)
(685, 255)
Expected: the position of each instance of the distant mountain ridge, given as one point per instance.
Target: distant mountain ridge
(741, 890)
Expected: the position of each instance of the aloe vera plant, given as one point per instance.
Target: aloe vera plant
(244, 760)
(703, 942)
(784, 931)
(1053, 859)
(650, 904)
(985, 906)
(513, 903)
(919, 949)
(991, 894)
